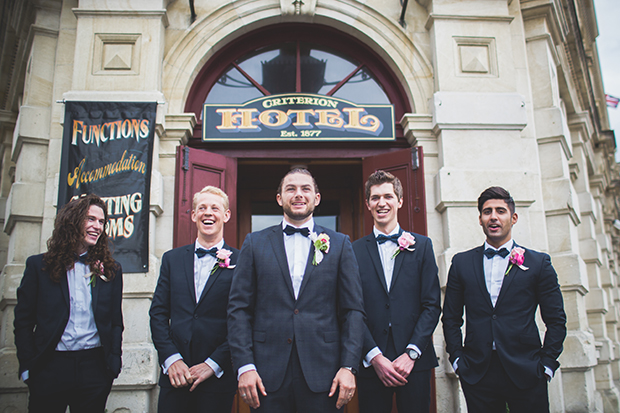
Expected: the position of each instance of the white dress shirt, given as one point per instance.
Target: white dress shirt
(202, 272)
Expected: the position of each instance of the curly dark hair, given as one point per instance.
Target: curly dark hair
(67, 238)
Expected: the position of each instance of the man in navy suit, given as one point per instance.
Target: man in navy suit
(500, 285)
(295, 315)
(188, 314)
(402, 303)
(68, 318)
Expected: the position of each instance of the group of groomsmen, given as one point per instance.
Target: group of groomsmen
(300, 317)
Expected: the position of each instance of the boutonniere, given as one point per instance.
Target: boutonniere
(223, 260)
(321, 245)
(405, 242)
(99, 271)
(516, 258)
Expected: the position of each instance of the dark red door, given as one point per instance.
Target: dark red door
(195, 170)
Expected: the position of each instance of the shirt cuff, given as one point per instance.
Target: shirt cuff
(25, 375)
(245, 369)
(549, 373)
(416, 349)
(169, 361)
(455, 365)
(217, 370)
(371, 355)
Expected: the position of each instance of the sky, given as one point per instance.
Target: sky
(608, 43)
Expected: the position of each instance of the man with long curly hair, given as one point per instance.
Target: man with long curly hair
(68, 319)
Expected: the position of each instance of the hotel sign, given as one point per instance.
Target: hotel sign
(297, 117)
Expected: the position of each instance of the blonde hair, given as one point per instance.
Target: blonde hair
(209, 189)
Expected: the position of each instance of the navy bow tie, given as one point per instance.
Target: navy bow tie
(82, 258)
(385, 238)
(201, 252)
(289, 230)
(490, 253)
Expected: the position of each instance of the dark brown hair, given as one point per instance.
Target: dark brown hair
(380, 177)
(67, 238)
(496, 192)
(298, 171)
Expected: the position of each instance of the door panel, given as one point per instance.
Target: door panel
(407, 165)
(195, 170)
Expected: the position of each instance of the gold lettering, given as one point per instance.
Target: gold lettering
(301, 117)
(280, 118)
(329, 118)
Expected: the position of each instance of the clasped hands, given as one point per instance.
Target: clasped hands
(250, 384)
(393, 373)
(180, 375)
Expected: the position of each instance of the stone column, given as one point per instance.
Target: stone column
(562, 209)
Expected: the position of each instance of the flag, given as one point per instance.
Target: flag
(612, 101)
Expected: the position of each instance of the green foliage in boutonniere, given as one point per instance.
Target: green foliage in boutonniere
(321, 245)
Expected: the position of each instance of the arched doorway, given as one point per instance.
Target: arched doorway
(296, 59)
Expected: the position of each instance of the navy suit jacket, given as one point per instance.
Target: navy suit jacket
(412, 306)
(42, 313)
(511, 323)
(195, 330)
(326, 321)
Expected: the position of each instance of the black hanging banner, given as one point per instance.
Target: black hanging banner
(107, 150)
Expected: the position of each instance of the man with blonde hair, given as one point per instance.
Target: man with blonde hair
(188, 314)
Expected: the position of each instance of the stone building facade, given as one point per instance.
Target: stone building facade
(505, 92)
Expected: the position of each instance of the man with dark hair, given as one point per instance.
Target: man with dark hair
(188, 314)
(295, 313)
(402, 303)
(68, 319)
(500, 285)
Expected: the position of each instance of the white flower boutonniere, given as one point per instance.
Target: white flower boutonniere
(516, 258)
(223, 260)
(405, 242)
(321, 245)
(99, 271)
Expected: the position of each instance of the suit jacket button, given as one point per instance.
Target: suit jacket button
(296, 311)
(196, 316)
(387, 305)
(289, 340)
(494, 317)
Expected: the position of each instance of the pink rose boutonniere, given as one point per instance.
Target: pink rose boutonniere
(516, 258)
(99, 271)
(405, 242)
(321, 245)
(223, 260)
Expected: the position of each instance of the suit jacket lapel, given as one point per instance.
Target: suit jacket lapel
(277, 244)
(479, 274)
(188, 263)
(514, 271)
(212, 277)
(64, 287)
(398, 262)
(309, 267)
(373, 251)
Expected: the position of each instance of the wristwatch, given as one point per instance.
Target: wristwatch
(413, 355)
(351, 369)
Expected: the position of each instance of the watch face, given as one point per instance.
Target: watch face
(413, 354)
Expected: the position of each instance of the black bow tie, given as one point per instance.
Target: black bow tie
(385, 238)
(82, 258)
(201, 252)
(490, 253)
(289, 230)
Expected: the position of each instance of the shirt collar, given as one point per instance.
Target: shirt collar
(308, 224)
(219, 245)
(376, 232)
(507, 245)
